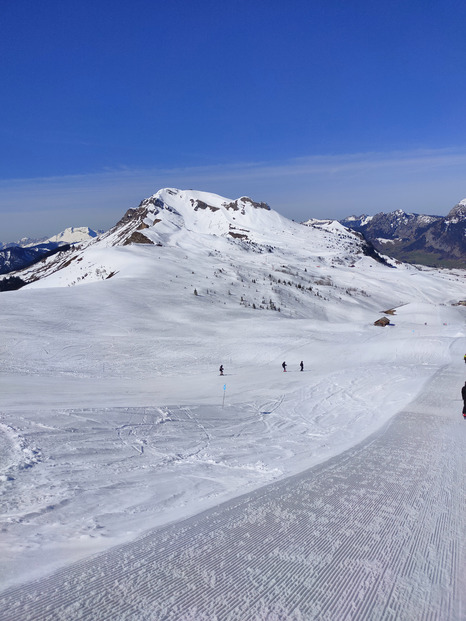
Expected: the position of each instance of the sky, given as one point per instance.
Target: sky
(321, 108)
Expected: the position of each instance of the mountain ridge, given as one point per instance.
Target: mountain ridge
(250, 255)
(18, 255)
(436, 241)
(196, 223)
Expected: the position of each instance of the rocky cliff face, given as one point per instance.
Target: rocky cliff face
(428, 240)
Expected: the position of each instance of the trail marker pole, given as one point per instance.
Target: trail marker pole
(224, 389)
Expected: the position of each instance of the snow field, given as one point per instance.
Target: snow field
(370, 534)
(119, 455)
(114, 422)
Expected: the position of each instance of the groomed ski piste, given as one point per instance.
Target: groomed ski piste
(137, 483)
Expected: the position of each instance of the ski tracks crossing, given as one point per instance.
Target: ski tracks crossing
(375, 533)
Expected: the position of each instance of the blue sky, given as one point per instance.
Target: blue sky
(321, 108)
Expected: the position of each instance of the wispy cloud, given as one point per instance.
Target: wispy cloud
(426, 181)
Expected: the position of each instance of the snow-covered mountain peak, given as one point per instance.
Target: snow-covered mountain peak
(187, 200)
(203, 203)
(26, 242)
(238, 232)
(458, 213)
(71, 235)
(430, 240)
(362, 220)
(332, 226)
(117, 378)
(171, 214)
(74, 235)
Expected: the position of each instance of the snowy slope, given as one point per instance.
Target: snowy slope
(114, 419)
(209, 228)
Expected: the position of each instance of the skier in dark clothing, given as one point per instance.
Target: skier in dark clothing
(221, 369)
(301, 366)
(463, 394)
(284, 366)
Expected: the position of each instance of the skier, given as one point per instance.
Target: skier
(284, 366)
(301, 366)
(221, 369)
(465, 357)
(463, 394)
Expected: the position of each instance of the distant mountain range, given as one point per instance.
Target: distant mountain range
(437, 241)
(25, 252)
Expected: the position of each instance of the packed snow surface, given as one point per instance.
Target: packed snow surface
(115, 422)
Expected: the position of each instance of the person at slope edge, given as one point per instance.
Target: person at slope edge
(465, 357)
(463, 394)
(284, 366)
(221, 369)
(301, 366)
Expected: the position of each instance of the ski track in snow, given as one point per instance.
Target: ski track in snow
(375, 533)
(122, 457)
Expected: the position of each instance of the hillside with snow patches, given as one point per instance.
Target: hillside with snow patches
(242, 241)
(114, 418)
(421, 239)
(25, 252)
